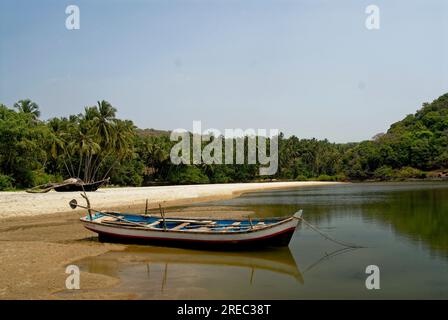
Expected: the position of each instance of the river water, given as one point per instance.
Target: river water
(403, 228)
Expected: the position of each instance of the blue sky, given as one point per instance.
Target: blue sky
(308, 68)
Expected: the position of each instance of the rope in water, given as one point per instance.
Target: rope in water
(328, 256)
(326, 236)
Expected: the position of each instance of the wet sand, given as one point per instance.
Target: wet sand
(35, 251)
(35, 248)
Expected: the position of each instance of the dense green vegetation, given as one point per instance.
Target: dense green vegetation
(95, 144)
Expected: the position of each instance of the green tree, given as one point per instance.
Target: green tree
(22, 145)
(29, 107)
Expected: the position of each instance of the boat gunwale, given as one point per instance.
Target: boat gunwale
(257, 219)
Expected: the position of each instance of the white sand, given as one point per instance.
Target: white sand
(19, 204)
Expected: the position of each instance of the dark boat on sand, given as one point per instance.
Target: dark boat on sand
(80, 186)
(69, 185)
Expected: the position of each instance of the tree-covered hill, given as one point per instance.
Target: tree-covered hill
(418, 142)
(95, 144)
(152, 132)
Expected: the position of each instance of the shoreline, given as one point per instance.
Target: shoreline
(22, 204)
(37, 247)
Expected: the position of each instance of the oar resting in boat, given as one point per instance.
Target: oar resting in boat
(179, 230)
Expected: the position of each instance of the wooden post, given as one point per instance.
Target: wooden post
(146, 207)
(163, 217)
(88, 205)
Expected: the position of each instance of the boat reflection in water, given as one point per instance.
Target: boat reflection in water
(156, 272)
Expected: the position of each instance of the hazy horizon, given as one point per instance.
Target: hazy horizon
(307, 68)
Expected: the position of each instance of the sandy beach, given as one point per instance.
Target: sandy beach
(21, 204)
(40, 235)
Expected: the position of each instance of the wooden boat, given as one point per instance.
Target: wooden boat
(181, 231)
(69, 185)
(80, 186)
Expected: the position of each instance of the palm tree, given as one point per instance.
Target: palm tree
(28, 106)
(122, 145)
(84, 144)
(100, 120)
(156, 153)
(95, 138)
(57, 144)
(123, 137)
(104, 121)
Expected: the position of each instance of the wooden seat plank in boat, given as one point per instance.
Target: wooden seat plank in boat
(105, 219)
(189, 220)
(154, 223)
(180, 226)
(108, 219)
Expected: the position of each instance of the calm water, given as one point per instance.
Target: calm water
(404, 227)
